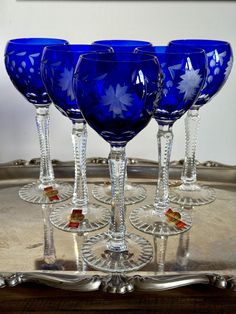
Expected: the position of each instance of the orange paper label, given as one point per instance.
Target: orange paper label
(75, 218)
(175, 217)
(51, 193)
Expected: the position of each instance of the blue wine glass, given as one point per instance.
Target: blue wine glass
(184, 71)
(134, 193)
(219, 63)
(117, 94)
(123, 45)
(22, 61)
(57, 68)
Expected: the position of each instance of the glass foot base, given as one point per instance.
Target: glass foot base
(96, 218)
(199, 195)
(33, 193)
(147, 220)
(134, 193)
(95, 253)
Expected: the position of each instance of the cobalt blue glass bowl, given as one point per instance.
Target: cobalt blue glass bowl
(124, 45)
(57, 68)
(117, 93)
(219, 63)
(184, 72)
(133, 193)
(22, 61)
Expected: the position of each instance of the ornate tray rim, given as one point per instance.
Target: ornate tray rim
(117, 283)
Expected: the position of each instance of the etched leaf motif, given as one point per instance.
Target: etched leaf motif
(65, 82)
(221, 57)
(32, 56)
(11, 52)
(173, 68)
(100, 77)
(190, 82)
(21, 53)
(229, 67)
(117, 99)
(211, 53)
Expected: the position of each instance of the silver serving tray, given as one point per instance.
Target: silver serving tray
(206, 254)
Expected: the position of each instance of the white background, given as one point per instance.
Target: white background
(86, 21)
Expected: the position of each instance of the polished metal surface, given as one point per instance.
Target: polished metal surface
(117, 283)
(206, 254)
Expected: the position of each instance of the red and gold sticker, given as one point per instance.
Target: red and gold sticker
(175, 218)
(75, 218)
(51, 193)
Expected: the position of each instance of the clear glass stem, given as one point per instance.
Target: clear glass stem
(126, 174)
(49, 248)
(117, 166)
(189, 173)
(79, 141)
(182, 255)
(79, 239)
(160, 246)
(46, 176)
(164, 141)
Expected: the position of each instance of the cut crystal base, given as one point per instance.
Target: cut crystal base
(134, 193)
(197, 196)
(97, 217)
(96, 254)
(147, 220)
(34, 193)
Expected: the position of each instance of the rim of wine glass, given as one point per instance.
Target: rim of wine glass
(80, 48)
(203, 42)
(156, 50)
(37, 41)
(95, 57)
(122, 42)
